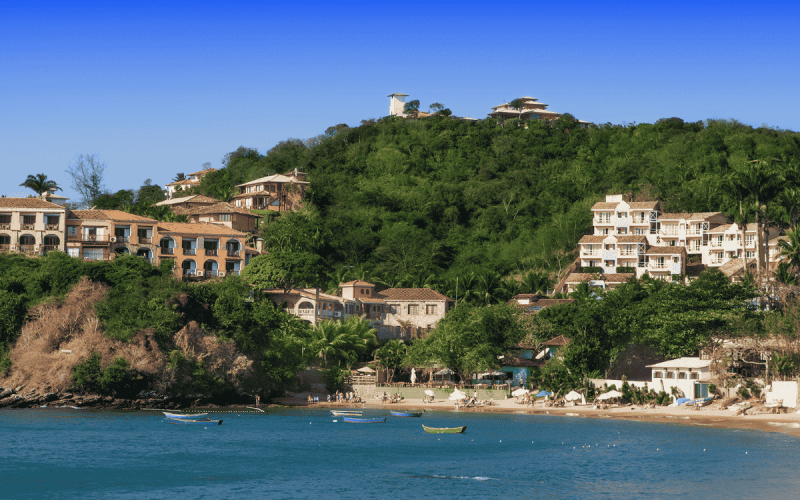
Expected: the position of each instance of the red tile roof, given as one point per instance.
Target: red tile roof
(556, 342)
(199, 228)
(412, 294)
(356, 283)
(28, 203)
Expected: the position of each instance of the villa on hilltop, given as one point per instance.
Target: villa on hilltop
(192, 180)
(279, 192)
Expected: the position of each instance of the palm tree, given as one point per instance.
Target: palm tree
(534, 282)
(180, 176)
(783, 274)
(40, 184)
(790, 249)
(582, 292)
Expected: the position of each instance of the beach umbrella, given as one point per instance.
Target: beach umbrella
(610, 395)
(573, 396)
(520, 392)
(543, 394)
(366, 369)
(413, 376)
(429, 392)
(457, 395)
(446, 371)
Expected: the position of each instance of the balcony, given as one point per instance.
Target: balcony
(209, 273)
(5, 225)
(5, 248)
(657, 266)
(167, 251)
(628, 253)
(211, 252)
(27, 227)
(602, 221)
(123, 239)
(88, 238)
(27, 248)
(189, 251)
(591, 254)
(51, 227)
(145, 240)
(233, 253)
(233, 272)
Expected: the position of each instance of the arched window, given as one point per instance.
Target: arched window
(51, 241)
(5, 240)
(144, 252)
(210, 267)
(233, 248)
(188, 266)
(167, 245)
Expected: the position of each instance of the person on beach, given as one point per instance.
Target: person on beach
(258, 401)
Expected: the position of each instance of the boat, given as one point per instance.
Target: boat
(445, 430)
(364, 420)
(185, 415)
(347, 413)
(406, 413)
(185, 421)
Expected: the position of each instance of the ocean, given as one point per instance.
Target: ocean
(300, 453)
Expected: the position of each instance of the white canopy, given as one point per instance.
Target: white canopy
(366, 369)
(520, 392)
(491, 374)
(573, 396)
(429, 392)
(610, 395)
(457, 395)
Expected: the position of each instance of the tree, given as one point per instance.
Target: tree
(436, 107)
(391, 356)
(517, 104)
(40, 184)
(87, 177)
(180, 176)
(285, 270)
(790, 249)
(341, 343)
(411, 108)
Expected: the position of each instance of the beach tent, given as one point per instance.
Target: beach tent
(573, 396)
(610, 395)
(457, 395)
(520, 392)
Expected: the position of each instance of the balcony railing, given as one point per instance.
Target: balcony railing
(209, 273)
(27, 248)
(123, 239)
(628, 253)
(658, 266)
(5, 225)
(591, 254)
(233, 253)
(233, 272)
(189, 272)
(51, 227)
(5, 248)
(88, 238)
(28, 227)
(189, 251)
(167, 251)
(145, 240)
(211, 251)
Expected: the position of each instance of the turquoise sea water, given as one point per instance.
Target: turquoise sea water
(62, 453)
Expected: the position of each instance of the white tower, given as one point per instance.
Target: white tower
(396, 104)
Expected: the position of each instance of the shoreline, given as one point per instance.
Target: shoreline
(784, 423)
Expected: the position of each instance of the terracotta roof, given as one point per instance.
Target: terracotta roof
(271, 178)
(536, 306)
(185, 181)
(556, 342)
(412, 294)
(204, 171)
(356, 283)
(220, 208)
(704, 215)
(87, 215)
(110, 215)
(683, 363)
(200, 228)
(776, 239)
(631, 239)
(372, 300)
(666, 250)
(532, 296)
(604, 205)
(610, 277)
(734, 266)
(590, 238)
(720, 229)
(28, 203)
(674, 215)
(643, 205)
(517, 361)
(198, 198)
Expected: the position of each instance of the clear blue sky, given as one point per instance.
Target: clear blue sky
(156, 88)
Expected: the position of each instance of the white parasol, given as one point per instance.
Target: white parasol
(429, 392)
(520, 392)
(610, 395)
(366, 369)
(457, 395)
(413, 376)
(573, 396)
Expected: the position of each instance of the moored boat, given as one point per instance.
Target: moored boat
(185, 421)
(185, 415)
(364, 420)
(406, 413)
(445, 430)
(346, 413)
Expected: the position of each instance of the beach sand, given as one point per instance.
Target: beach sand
(786, 423)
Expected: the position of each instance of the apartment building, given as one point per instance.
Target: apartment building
(191, 181)
(203, 250)
(101, 234)
(180, 206)
(279, 192)
(725, 243)
(395, 312)
(31, 225)
(225, 214)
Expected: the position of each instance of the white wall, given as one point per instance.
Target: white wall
(787, 391)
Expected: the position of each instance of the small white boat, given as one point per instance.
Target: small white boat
(346, 413)
(185, 415)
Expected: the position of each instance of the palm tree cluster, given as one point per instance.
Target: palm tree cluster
(40, 184)
(342, 344)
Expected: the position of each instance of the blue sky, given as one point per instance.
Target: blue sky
(156, 88)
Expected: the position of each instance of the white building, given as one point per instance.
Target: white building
(683, 374)
(397, 103)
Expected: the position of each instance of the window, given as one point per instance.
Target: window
(72, 229)
(29, 219)
(621, 215)
(682, 375)
(750, 254)
(74, 252)
(413, 309)
(393, 308)
(669, 375)
(93, 253)
(430, 309)
(225, 217)
(622, 230)
(639, 231)
(5, 218)
(604, 230)
(656, 374)
(694, 376)
(610, 247)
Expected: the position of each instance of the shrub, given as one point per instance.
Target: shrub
(590, 270)
(86, 374)
(334, 379)
(626, 269)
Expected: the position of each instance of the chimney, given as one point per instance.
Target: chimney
(260, 244)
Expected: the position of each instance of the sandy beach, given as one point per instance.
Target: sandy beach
(786, 423)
